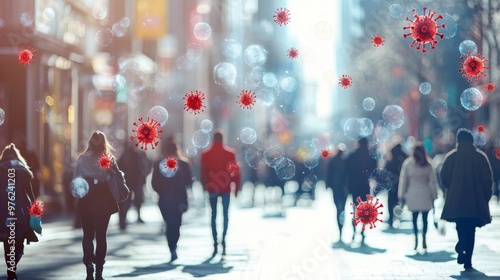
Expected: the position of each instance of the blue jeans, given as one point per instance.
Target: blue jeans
(225, 211)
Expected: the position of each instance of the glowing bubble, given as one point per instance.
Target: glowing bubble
(368, 104)
(184, 64)
(248, 135)
(200, 139)
(450, 24)
(191, 151)
(272, 154)
(202, 31)
(398, 211)
(438, 108)
(480, 138)
(26, 19)
(255, 55)
(381, 180)
(194, 51)
(309, 182)
(266, 96)
(104, 37)
(2, 23)
(288, 84)
(119, 82)
(206, 125)
(467, 46)
(159, 113)
(231, 48)
(39, 105)
(375, 152)
(2, 116)
(425, 88)
(253, 156)
(224, 73)
(471, 99)
(365, 127)
(323, 30)
(79, 187)
(351, 129)
(309, 154)
(253, 79)
(381, 133)
(285, 168)
(393, 116)
(124, 22)
(49, 14)
(165, 171)
(119, 30)
(269, 79)
(396, 10)
(99, 12)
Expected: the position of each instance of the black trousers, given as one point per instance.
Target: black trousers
(213, 197)
(11, 261)
(425, 214)
(173, 221)
(94, 227)
(466, 231)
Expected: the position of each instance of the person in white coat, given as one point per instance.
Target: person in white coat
(417, 189)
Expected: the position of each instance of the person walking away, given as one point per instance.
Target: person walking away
(216, 180)
(468, 179)
(15, 177)
(171, 184)
(97, 206)
(418, 189)
(398, 156)
(335, 180)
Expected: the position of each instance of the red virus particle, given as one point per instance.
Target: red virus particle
(480, 128)
(378, 40)
(282, 16)
(367, 211)
(325, 153)
(146, 133)
(293, 53)
(232, 168)
(490, 87)
(194, 102)
(171, 163)
(36, 209)
(424, 29)
(25, 55)
(473, 66)
(345, 81)
(246, 99)
(497, 153)
(105, 160)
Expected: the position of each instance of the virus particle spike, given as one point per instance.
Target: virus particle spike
(232, 168)
(246, 99)
(282, 16)
(424, 29)
(325, 153)
(490, 87)
(25, 55)
(480, 128)
(146, 133)
(345, 81)
(367, 211)
(171, 163)
(473, 66)
(293, 53)
(105, 160)
(378, 40)
(194, 102)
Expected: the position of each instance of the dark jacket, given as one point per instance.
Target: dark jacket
(358, 167)
(467, 179)
(335, 176)
(172, 191)
(136, 167)
(15, 188)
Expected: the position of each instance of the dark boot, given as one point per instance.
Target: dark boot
(424, 243)
(98, 272)
(416, 243)
(215, 250)
(11, 275)
(173, 255)
(90, 271)
(223, 248)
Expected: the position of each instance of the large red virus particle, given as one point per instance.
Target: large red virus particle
(232, 168)
(246, 99)
(378, 40)
(490, 87)
(325, 153)
(194, 102)
(105, 160)
(282, 16)
(171, 163)
(25, 55)
(497, 153)
(293, 53)
(345, 81)
(367, 211)
(480, 128)
(424, 29)
(146, 133)
(473, 66)
(36, 209)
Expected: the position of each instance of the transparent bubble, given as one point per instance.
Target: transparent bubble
(26, 19)
(466, 46)
(206, 125)
(104, 37)
(120, 134)
(231, 48)
(39, 105)
(309, 154)
(125, 22)
(184, 64)
(49, 14)
(248, 135)
(254, 156)
(396, 10)
(480, 138)
(200, 139)
(393, 116)
(351, 130)
(2, 23)
(255, 55)
(368, 104)
(2, 116)
(312, 162)
(202, 31)
(194, 51)
(159, 113)
(269, 79)
(438, 108)
(119, 82)
(272, 154)
(323, 30)
(309, 182)
(398, 211)
(165, 171)
(253, 79)
(288, 84)
(341, 217)
(450, 24)
(307, 54)
(224, 73)
(365, 127)
(471, 99)
(266, 96)
(381, 180)
(375, 152)
(79, 187)
(99, 12)
(381, 133)
(119, 30)
(191, 151)
(425, 88)
(285, 168)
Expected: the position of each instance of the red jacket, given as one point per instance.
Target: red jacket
(215, 176)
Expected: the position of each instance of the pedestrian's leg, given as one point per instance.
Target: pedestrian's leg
(468, 244)
(415, 228)
(340, 205)
(173, 222)
(461, 233)
(124, 207)
(101, 227)
(425, 214)
(392, 201)
(138, 199)
(213, 206)
(225, 212)
(88, 227)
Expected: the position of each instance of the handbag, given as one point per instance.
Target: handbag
(117, 185)
(36, 223)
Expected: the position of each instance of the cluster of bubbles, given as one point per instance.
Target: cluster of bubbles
(248, 135)
(471, 99)
(274, 157)
(165, 171)
(468, 46)
(393, 116)
(202, 31)
(438, 108)
(425, 88)
(200, 139)
(79, 187)
(357, 128)
(159, 113)
(368, 104)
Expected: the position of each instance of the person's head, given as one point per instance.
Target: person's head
(98, 144)
(171, 148)
(464, 136)
(10, 152)
(218, 136)
(396, 150)
(363, 142)
(420, 156)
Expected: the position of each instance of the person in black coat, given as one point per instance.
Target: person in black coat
(171, 184)
(335, 180)
(394, 167)
(15, 199)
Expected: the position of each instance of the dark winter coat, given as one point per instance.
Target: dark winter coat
(335, 176)
(467, 179)
(358, 167)
(19, 191)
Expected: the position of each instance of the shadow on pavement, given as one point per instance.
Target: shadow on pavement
(365, 249)
(156, 268)
(435, 257)
(207, 268)
(473, 274)
(398, 230)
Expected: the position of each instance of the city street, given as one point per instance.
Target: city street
(302, 244)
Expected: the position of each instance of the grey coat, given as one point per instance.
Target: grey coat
(417, 186)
